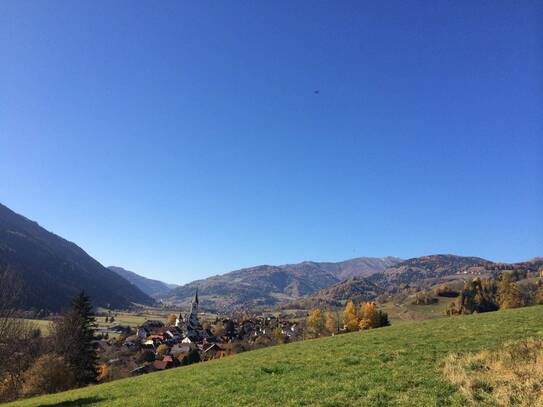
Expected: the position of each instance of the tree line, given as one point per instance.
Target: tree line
(352, 318)
(31, 364)
(491, 294)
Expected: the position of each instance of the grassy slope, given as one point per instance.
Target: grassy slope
(399, 365)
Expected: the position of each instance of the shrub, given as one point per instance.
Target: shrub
(424, 298)
(162, 350)
(446, 291)
(192, 357)
(48, 374)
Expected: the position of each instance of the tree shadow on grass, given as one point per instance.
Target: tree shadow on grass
(85, 401)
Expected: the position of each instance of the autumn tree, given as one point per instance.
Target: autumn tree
(103, 372)
(48, 374)
(509, 296)
(371, 317)
(315, 322)
(171, 319)
(332, 322)
(479, 295)
(349, 317)
(162, 349)
(73, 335)
(278, 334)
(18, 343)
(218, 328)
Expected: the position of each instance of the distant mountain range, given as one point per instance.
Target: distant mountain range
(270, 285)
(53, 270)
(418, 273)
(154, 288)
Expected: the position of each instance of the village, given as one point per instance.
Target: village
(158, 345)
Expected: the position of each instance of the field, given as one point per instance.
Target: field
(400, 365)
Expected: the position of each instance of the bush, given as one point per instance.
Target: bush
(147, 356)
(446, 291)
(424, 298)
(48, 374)
(162, 350)
(192, 357)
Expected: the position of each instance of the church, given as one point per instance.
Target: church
(190, 325)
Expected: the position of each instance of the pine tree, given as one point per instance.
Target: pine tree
(350, 318)
(74, 337)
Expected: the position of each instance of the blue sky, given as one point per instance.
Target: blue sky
(185, 139)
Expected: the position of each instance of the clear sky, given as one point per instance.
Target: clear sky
(185, 139)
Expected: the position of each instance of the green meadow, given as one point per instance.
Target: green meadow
(395, 366)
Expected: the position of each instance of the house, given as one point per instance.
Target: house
(166, 363)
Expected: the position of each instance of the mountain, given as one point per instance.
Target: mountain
(154, 288)
(431, 267)
(53, 270)
(270, 285)
(357, 289)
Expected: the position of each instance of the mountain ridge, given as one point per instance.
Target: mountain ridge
(267, 285)
(154, 288)
(53, 270)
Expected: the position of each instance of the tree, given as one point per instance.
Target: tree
(171, 319)
(278, 334)
(73, 335)
(103, 372)
(48, 374)
(332, 322)
(162, 349)
(192, 357)
(479, 296)
(315, 322)
(368, 312)
(18, 341)
(509, 295)
(452, 310)
(218, 328)
(147, 356)
(350, 318)
(370, 317)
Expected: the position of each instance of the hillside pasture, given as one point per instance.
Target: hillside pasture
(401, 365)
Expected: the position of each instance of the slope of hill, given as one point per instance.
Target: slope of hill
(434, 266)
(357, 289)
(53, 270)
(399, 365)
(269, 285)
(154, 288)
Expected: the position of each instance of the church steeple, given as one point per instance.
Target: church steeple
(195, 303)
(193, 316)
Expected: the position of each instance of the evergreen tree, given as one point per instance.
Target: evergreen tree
(74, 337)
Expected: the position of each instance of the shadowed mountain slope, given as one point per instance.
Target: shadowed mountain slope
(53, 270)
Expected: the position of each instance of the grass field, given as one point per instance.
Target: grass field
(399, 365)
